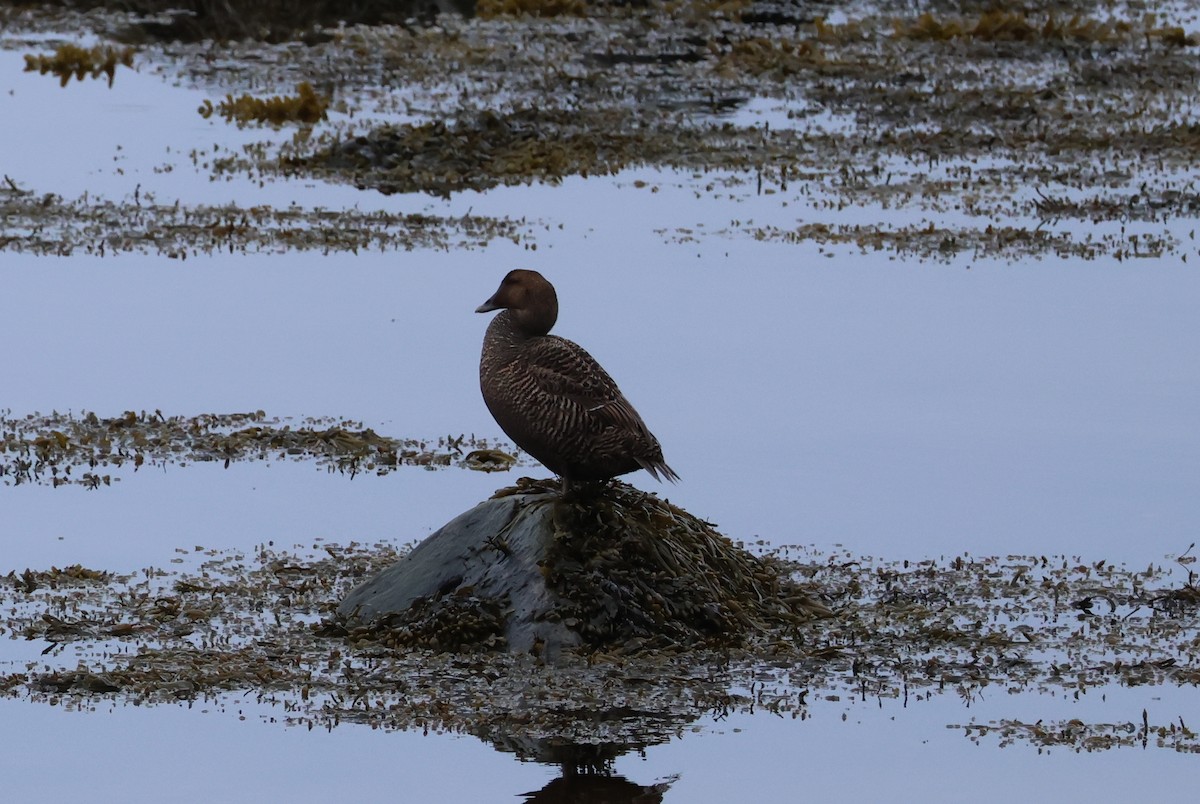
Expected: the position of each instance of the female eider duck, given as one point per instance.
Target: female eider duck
(552, 398)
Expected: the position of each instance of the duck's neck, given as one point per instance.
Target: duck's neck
(505, 336)
(538, 320)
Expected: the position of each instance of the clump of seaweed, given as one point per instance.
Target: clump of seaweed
(1173, 36)
(54, 578)
(1014, 26)
(774, 57)
(634, 570)
(458, 621)
(992, 26)
(1182, 601)
(72, 60)
(489, 9)
(480, 151)
(306, 107)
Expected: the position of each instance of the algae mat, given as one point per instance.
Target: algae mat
(251, 623)
(1051, 130)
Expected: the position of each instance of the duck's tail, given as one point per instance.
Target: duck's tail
(656, 468)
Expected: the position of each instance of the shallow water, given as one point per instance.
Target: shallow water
(198, 753)
(805, 394)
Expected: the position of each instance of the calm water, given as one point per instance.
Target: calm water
(899, 408)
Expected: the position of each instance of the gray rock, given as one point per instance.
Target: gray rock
(491, 553)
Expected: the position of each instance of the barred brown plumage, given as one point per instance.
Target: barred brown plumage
(552, 398)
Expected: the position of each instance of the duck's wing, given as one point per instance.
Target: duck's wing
(564, 369)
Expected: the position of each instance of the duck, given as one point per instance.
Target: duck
(552, 398)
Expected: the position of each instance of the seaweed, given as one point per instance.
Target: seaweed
(306, 107)
(73, 60)
(635, 571)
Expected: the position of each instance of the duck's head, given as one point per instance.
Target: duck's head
(530, 299)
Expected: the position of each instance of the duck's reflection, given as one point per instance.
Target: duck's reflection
(587, 769)
(577, 786)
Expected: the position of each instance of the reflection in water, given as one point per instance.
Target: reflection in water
(644, 729)
(594, 787)
(587, 767)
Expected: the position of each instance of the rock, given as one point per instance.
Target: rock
(613, 569)
(489, 554)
